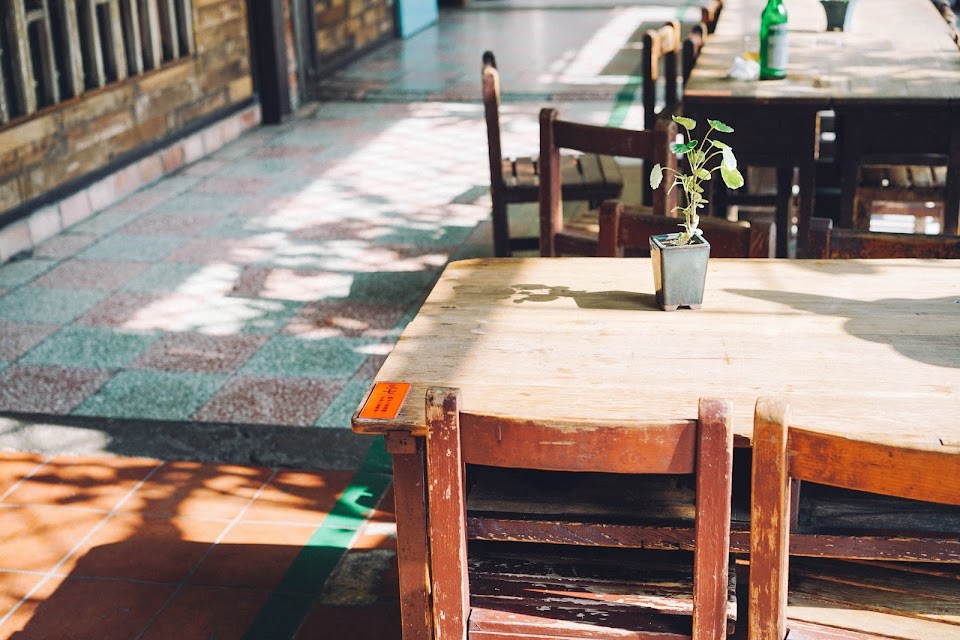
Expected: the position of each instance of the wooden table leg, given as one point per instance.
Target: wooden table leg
(409, 488)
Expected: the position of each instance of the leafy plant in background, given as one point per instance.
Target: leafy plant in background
(699, 154)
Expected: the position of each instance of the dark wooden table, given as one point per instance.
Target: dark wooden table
(897, 64)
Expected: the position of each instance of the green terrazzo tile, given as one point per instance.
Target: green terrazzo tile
(192, 202)
(4, 365)
(106, 222)
(153, 395)
(125, 248)
(201, 279)
(449, 235)
(89, 347)
(338, 414)
(245, 315)
(290, 356)
(14, 274)
(48, 306)
(401, 287)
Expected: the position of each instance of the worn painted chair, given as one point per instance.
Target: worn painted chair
(826, 596)
(571, 577)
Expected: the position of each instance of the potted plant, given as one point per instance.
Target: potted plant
(680, 259)
(838, 13)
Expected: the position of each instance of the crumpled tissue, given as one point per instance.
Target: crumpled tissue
(744, 69)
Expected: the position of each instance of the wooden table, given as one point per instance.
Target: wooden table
(865, 347)
(897, 59)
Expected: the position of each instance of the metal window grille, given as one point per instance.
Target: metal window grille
(54, 50)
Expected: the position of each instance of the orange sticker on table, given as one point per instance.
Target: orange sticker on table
(385, 400)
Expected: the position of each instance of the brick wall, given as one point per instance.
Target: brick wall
(345, 26)
(62, 142)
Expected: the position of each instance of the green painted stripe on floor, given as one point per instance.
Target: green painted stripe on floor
(285, 610)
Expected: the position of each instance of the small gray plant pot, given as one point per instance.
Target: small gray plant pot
(838, 13)
(679, 272)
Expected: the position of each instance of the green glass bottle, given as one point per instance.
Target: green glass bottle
(773, 41)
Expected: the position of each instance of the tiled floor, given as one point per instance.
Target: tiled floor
(177, 371)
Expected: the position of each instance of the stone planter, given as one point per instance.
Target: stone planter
(679, 272)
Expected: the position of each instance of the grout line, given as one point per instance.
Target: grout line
(196, 567)
(42, 463)
(291, 600)
(53, 570)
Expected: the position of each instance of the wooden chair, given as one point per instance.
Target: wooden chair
(660, 91)
(691, 47)
(626, 232)
(587, 177)
(578, 236)
(824, 598)
(826, 242)
(916, 160)
(710, 13)
(557, 583)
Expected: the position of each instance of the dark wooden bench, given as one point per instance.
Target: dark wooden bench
(586, 177)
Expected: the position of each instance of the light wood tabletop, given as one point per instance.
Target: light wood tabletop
(867, 347)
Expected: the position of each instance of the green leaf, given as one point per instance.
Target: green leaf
(687, 123)
(719, 126)
(731, 177)
(681, 149)
(656, 176)
(719, 145)
(697, 157)
(703, 174)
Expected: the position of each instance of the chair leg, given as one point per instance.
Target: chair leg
(783, 210)
(501, 229)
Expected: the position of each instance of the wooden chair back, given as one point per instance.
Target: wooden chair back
(710, 13)
(692, 45)
(626, 232)
(660, 68)
(783, 453)
(650, 145)
(513, 180)
(457, 438)
(916, 161)
(825, 242)
(660, 91)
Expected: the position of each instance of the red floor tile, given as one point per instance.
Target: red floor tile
(36, 538)
(253, 555)
(302, 497)
(207, 612)
(14, 587)
(14, 467)
(92, 483)
(195, 490)
(132, 547)
(87, 609)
